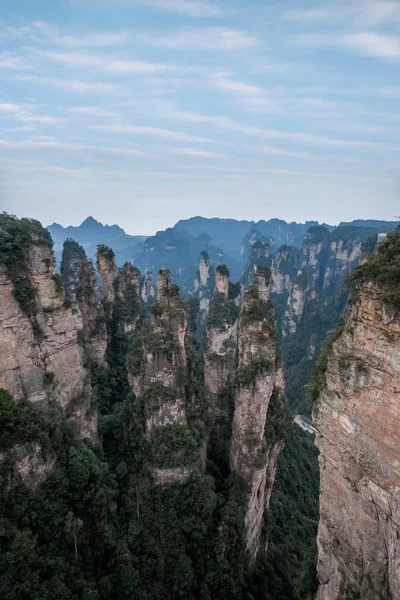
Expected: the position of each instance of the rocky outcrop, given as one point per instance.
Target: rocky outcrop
(82, 292)
(220, 351)
(203, 284)
(147, 291)
(358, 420)
(108, 271)
(252, 456)
(157, 367)
(284, 269)
(121, 291)
(41, 357)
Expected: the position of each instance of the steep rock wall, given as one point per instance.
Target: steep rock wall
(220, 355)
(252, 456)
(358, 419)
(41, 358)
(82, 291)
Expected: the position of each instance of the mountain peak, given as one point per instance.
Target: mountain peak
(89, 221)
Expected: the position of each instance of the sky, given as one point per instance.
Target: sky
(143, 112)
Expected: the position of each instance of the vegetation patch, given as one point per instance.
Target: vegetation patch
(174, 446)
(223, 313)
(247, 376)
(16, 236)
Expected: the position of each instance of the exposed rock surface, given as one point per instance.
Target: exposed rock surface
(358, 419)
(147, 291)
(121, 291)
(251, 454)
(203, 284)
(220, 352)
(41, 359)
(108, 271)
(82, 291)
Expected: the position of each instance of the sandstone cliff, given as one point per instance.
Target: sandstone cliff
(358, 418)
(121, 291)
(41, 357)
(252, 455)
(220, 355)
(82, 292)
(203, 284)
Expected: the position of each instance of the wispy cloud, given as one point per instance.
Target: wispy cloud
(117, 66)
(373, 44)
(63, 145)
(187, 8)
(260, 132)
(42, 33)
(360, 12)
(210, 38)
(24, 113)
(92, 111)
(367, 43)
(10, 61)
(272, 150)
(72, 85)
(129, 129)
(252, 96)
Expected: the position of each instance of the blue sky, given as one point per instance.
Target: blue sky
(142, 112)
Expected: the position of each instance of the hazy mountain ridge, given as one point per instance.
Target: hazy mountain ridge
(178, 247)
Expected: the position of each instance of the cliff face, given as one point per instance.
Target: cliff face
(41, 358)
(82, 292)
(121, 291)
(357, 415)
(147, 291)
(220, 351)
(251, 454)
(203, 284)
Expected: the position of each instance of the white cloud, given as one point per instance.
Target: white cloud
(8, 107)
(41, 32)
(280, 151)
(24, 113)
(92, 111)
(62, 145)
(210, 38)
(291, 136)
(188, 8)
(72, 85)
(107, 63)
(10, 61)
(359, 12)
(249, 95)
(373, 44)
(150, 131)
(367, 43)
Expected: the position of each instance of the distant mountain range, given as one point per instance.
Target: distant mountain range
(178, 248)
(90, 234)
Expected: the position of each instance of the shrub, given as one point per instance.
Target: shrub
(246, 376)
